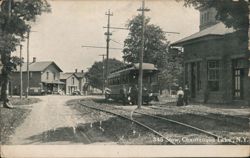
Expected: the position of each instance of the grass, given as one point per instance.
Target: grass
(24, 101)
(12, 118)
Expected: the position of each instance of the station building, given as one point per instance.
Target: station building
(216, 62)
(44, 77)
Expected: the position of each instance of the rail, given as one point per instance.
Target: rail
(127, 118)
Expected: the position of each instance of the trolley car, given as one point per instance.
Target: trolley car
(123, 82)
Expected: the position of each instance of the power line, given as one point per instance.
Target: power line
(172, 32)
(124, 28)
(116, 42)
(119, 28)
(101, 47)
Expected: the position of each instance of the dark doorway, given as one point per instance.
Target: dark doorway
(193, 80)
(238, 74)
(238, 83)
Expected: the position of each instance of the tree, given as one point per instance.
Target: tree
(172, 73)
(156, 43)
(95, 73)
(14, 18)
(156, 51)
(232, 13)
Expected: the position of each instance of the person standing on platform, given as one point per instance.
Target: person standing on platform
(186, 95)
(180, 95)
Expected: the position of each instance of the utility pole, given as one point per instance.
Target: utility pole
(21, 74)
(28, 61)
(108, 34)
(142, 9)
(103, 55)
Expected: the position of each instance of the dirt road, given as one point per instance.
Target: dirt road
(50, 122)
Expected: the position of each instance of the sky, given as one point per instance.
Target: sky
(59, 36)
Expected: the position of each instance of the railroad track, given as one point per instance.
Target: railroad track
(132, 120)
(159, 118)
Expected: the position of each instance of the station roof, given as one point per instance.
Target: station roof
(218, 29)
(37, 66)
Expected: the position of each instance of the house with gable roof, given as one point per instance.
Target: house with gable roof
(83, 84)
(216, 62)
(44, 77)
(71, 82)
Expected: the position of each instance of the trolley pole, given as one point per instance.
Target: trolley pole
(21, 74)
(108, 34)
(142, 9)
(103, 67)
(28, 72)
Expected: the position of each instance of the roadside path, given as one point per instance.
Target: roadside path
(50, 122)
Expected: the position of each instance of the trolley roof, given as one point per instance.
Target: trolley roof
(145, 66)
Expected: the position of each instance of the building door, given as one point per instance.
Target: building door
(238, 83)
(193, 80)
(238, 73)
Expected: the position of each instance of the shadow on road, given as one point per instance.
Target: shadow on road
(112, 130)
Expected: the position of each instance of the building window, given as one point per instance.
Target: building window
(47, 75)
(237, 83)
(54, 75)
(31, 74)
(213, 75)
(73, 80)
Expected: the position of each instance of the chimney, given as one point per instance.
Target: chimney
(34, 59)
(75, 70)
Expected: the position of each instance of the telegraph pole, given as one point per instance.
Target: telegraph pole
(21, 74)
(142, 9)
(28, 72)
(103, 55)
(108, 34)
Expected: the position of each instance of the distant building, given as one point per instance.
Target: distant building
(83, 86)
(216, 62)
(44, 78)
(71, 82)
